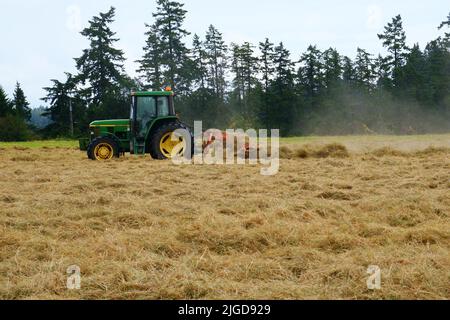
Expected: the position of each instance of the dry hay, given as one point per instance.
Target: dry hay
(333, 150)
(152, 230)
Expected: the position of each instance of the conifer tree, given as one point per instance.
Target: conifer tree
(150, 66)
(20, 104)
(5, 103)
(170, 17)
(101, 65)
(216, 51)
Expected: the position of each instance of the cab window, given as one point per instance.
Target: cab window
(145, 113)
(163, 107)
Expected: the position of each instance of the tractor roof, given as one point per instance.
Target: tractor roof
(152, 93)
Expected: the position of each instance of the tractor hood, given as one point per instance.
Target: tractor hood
(111, 123)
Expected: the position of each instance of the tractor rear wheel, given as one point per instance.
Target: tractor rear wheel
(103, 148)
(165, 144)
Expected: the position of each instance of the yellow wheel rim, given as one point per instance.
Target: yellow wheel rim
(103, 151)
(170, 144)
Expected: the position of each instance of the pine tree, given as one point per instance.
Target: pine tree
(394, 39)
(199, 60)
(5, 104)
(413, 84)
(266, 62)
(348, 70)
(101, 65)
(332, 65)
(20, 104)
(59, 97)
(364, 74)
(446, 24)
(150, 66)
(245, 69)
(216, 51)
(438, 72)
(170, 17)
(282, 113)
(310, 73)
(381, 72)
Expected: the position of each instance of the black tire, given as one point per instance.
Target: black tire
(163, 130)
(102, 140)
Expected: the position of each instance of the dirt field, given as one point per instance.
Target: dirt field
(142, 229)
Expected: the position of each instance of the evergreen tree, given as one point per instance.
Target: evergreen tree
(381, 72)
(245, 69)
(152, 61)
(199, 60)
(413, 84)
(60, 96)
(170, 17)
(101, 65)
(5, 104)
(310, 73)
(348, 70)
(266, 62)
(216, 52)
(282, 113)
(364, 73)
(332, 67)
(446, 24)
(20, 104)
(438, 72)
(394, 39)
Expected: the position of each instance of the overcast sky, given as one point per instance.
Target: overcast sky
(39, 38)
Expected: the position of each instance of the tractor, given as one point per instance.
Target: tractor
(149, 130)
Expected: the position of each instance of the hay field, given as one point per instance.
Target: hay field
(142, 229)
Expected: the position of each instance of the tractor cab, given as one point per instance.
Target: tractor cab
(149, 130)
(146, 108)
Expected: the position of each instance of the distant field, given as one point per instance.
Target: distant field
(40, 144)
(353, 143)
(368, 143)
(144, 229)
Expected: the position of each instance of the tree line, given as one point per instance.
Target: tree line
(260, 85)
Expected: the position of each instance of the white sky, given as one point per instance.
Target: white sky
(39, 38)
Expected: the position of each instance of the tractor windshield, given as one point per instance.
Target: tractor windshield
(149, 108)
(145, 113)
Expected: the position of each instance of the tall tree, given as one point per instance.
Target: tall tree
(216, 51)
(5, 103)
(364, 69)
(266, 62)
(20, 103)
(282, 99)
(332, 67)
(101, 65)
(199, 61)
(170, 17)
(310, 72)
(446, 23)
(150, 66)
(348, 70)
(394, 39)
(60, 97)
(245, 69)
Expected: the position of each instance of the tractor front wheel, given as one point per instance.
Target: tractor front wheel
(103, 148)
(165, 144)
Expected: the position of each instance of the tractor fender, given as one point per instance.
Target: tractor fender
(158, 123)
(113, 137)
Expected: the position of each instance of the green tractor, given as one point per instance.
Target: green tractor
(150, 130)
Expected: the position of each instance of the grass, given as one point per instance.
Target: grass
(144, 229)
(40, 144)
